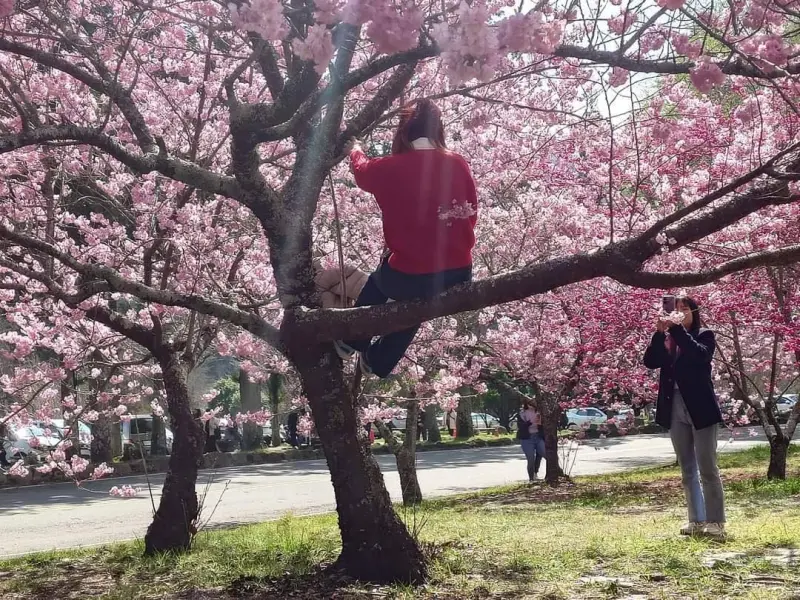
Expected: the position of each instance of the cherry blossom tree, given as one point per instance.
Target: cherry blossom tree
(219, 127)
(757, 324)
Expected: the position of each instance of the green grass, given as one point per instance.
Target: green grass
(512, 542)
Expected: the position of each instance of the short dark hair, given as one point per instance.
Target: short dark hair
(421, 119)
(695, 308)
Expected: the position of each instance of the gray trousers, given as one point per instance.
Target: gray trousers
(696, 450)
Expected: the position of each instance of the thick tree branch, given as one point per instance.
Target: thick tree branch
(664, 280)
(101, 278)
(665, 67)
(377, 106)
(116, 93)
(175, 168)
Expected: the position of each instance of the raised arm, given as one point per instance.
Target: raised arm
(365, 170)
(700, 349)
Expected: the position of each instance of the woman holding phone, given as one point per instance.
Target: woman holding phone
(687, 406)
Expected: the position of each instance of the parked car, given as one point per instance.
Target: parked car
(139, 432)
(30, 440)
(398, 422)
(484, 421)
(581, 417)
(784, 406)
(266, 432)
(84, 434)
(624, 417)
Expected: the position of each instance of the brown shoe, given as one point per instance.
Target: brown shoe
(693, 528)
(715, 531)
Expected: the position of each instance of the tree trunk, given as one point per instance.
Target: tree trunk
(101, 440)
(550, 431)
(465, 428)
(376, 546)
(778, 451)
(409, 483)
(116, 437)
(250, 393)
(274, 385)
(174, 523)
(405, 457)
(434, 434)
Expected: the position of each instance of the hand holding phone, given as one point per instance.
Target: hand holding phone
(668, 304)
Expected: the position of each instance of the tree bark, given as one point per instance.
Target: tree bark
(405, 457)
(550, 430)
(376, 546)
(101, 440)
(250, 393)
(432, 426)
(465, 428)
(778, 452)
(274, 385)
(174, 523)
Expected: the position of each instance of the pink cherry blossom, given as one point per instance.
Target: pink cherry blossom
(316, 47)
(619, 77)
(124, 491)
(18, 469)
(6, 8)
(101, 470)
(706, 75)
(671, 4)
(622, 22)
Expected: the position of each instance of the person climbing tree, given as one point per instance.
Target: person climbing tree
(429, 208)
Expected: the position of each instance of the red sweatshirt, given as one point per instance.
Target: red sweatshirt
(429, 207)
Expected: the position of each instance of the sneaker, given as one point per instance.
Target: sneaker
(363, 364)
(692, 528)
(715, 531)
(344, 351)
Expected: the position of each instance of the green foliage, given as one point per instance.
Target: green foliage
(229, 397)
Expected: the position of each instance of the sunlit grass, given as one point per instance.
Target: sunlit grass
(512, 542)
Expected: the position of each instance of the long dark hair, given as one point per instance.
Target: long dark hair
(422, 119)
(695, 308)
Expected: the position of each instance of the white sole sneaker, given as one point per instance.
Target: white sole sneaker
(344, 351)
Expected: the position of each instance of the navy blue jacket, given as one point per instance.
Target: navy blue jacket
(692, 372)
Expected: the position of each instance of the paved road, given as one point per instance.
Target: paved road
(52, 516)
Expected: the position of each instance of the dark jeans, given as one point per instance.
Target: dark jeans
(385, 284)
(533, 448)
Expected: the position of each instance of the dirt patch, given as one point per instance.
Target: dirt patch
(70, 580)
(643, 496)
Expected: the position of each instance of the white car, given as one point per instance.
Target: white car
(785, 404)
(139, 431)
(30, 440)
(625, 417)
(578, 418)
(484, 421)
(398, 422)
(84, 434)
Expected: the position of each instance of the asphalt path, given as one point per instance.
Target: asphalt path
(50, 516)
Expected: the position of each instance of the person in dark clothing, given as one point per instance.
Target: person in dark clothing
(528, 424)
(291, 427)
(3, 456)
(422, 433)
(429, 207)
(211, 437)
(688, 407)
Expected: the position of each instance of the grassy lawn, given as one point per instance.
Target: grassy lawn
(604, 537)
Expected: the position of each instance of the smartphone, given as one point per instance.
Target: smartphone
(668, 304)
